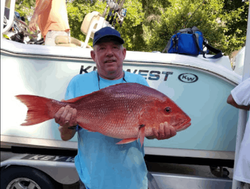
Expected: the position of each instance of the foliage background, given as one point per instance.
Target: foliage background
(149, 24)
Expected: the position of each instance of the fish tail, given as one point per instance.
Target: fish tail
(38, 109)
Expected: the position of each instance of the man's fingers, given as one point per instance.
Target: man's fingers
(173, 131)
(67, 117)
(64, 116)
(61, 114)
(155, 132)
(167, 131)
(58, 114)
(32, 27)
(164, 131)
(73, 117)
(161, 131)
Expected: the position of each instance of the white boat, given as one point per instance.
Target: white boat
(199, 86)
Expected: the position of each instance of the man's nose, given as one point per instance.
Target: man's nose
(109, 51)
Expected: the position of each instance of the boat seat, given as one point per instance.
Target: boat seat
(91, 23)
(67, 41)
(92, 17)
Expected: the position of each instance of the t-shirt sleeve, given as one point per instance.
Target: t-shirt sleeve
(70, 91)
(143, 81)
(136, 78)
(241, 93)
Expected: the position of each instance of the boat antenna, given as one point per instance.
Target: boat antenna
(193, 14)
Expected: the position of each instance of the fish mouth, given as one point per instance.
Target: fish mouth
(180, 128)
(180, 122)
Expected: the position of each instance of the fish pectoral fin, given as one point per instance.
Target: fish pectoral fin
(141, 134)
(126, 140)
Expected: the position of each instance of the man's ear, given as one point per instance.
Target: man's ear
(92, 53)
(124, 51)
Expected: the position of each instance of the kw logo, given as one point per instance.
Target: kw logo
(188, 78)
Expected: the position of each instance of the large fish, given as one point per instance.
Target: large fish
(127, 111)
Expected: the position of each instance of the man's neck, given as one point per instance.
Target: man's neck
(113, 76)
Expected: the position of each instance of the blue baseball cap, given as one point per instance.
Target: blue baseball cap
(107, 32)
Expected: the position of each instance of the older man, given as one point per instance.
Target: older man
(100, 162)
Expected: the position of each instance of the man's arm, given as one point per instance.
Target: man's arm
(231, 101)
(41, 6)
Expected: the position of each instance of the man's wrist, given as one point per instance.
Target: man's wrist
(75, 127)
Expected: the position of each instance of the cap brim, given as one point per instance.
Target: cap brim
(118, 39)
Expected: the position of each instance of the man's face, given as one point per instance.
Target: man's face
(109, 57)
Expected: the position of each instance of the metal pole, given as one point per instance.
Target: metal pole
(2, 14)
(242, 113)
(11, 15)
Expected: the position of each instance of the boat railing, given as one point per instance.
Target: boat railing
(11, 16)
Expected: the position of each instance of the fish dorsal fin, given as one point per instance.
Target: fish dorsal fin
(74, 99)
(84, 96)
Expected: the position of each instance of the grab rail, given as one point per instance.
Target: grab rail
(11, 16)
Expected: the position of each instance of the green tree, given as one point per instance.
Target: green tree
(131, 30)
(235, 15)
(209, 16)
(149, 24)
(77, 10)
(25, 8)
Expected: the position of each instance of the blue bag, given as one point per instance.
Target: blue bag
(190, 41)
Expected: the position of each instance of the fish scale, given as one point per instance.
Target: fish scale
(126, 111)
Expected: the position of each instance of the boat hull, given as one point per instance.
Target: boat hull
(200, 87)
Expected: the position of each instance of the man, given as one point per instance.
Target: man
(240, 98)
(100, 162)
(52, 19)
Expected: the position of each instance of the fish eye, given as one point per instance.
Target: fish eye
(167, 109)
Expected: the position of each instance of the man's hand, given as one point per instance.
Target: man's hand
(165, 131)
(66, 118)
(32, 24)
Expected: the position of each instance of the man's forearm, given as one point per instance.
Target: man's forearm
(41, 7)
(230, 100)
(66, 133)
